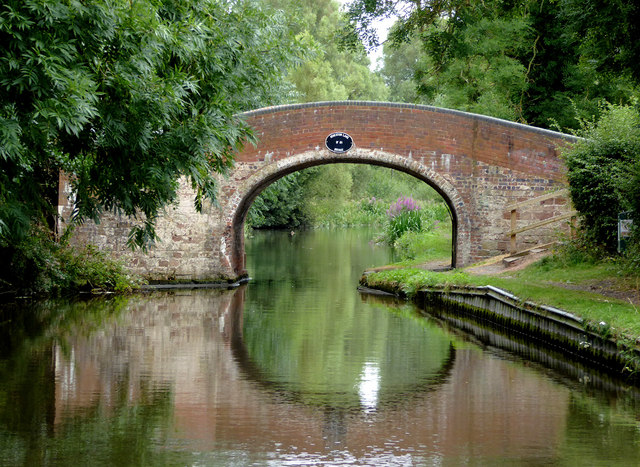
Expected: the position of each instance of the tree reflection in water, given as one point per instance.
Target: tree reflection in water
(225, 377)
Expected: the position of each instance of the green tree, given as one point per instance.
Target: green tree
(388, 185)
(468, 53)
(524, 61)
(565, 85)
(281, 204)
(483, 74)
(399, 66)
(413, 16)
(609, 31)
(331, 73)
(127, 97)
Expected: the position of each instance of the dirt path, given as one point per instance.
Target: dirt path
(495, 266)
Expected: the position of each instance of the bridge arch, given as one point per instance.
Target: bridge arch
(480, 165)
(250, 188)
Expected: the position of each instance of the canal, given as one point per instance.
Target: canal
(294, 368)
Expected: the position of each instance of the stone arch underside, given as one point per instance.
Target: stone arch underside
(480, 165)
(247, 189)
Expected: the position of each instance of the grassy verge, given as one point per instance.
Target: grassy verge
(548, 282)
(424, 247)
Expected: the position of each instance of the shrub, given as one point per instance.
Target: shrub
(325, 213)
(281, 204)
(604, 173)
(41, 265)
(373, 206)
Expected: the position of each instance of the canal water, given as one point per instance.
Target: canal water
(295, 368)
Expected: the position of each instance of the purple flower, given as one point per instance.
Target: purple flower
(403, 204)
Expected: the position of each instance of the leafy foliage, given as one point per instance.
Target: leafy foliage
(571, 254)
(565, 83)
(413, 16)
(128, 97)
(400, 66)
(339, 195)
(468, 57)
(525, 61)
(281, 204)
(331, 72)
(631, 261)
(388, 185)
(483, 73)
(603, 171)
(39, 264)
(610, 32)
(349, 214)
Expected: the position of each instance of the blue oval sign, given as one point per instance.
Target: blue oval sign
(339, 142)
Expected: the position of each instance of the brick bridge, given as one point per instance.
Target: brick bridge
(479, 165)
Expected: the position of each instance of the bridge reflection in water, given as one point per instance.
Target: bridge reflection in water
(452, 400)
(296, 368)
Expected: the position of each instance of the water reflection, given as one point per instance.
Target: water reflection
(165, 380)
(311, 368)
(251, 377)
(369, 386)
(181, 356)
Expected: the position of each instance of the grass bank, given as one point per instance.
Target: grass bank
(596, 291)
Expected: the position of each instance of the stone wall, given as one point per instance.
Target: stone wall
(478, 164)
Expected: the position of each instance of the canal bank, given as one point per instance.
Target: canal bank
(453, 296)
